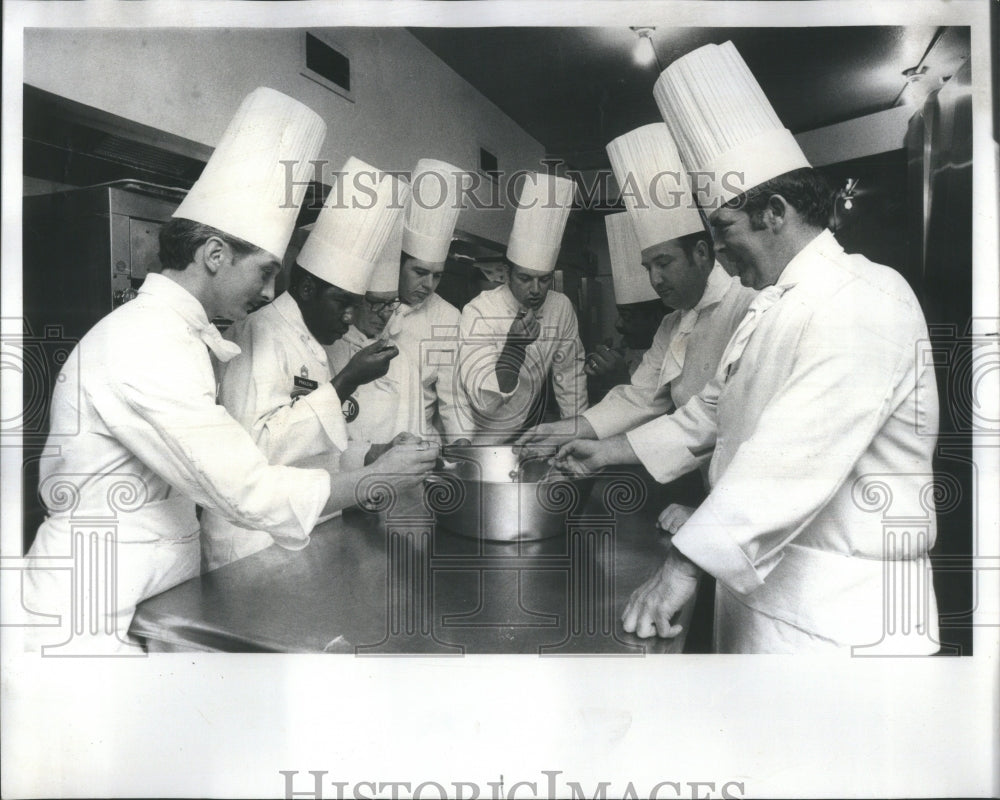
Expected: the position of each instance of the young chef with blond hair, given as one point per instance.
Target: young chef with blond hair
(513, 337)
(139, 435)
(281, 387)
(822, 390)
(425, 326)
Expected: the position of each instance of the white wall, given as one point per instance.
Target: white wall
(407, 103)
(856, 138)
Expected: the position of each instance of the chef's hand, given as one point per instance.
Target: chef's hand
(377, 450)
(604, 362)
(372, 362)
(673, 517)
(653, 605)
(524, 329)
(368, 364)
(407, 463)
(585, 456)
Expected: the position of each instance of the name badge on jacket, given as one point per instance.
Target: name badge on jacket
(302, 386)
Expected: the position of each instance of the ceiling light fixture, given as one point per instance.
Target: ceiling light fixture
(918, 86)
(845, 198)
(644, 53)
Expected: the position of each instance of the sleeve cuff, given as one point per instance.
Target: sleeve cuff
(605, 417)
(704, 540)
(328, 408)
(660, 451)
(308, 491)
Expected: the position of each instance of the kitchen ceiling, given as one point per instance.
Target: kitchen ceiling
(575, 89)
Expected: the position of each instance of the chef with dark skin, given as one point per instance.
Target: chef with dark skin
(281, 387)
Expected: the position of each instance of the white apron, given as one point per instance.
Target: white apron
(153, 549)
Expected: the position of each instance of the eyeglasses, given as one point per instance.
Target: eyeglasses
(381, 306)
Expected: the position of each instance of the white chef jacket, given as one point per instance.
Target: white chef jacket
(427, 336)
(386, 406)
(832, 389)
(136, 401)
(279, 389)
(486, 321)
(633, 358)
(656, 388)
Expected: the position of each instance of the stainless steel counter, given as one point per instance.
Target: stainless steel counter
(394, 582)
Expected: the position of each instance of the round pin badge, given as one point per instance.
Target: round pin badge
(351, 409)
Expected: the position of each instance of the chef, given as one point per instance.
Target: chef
(821, 387)
(391, 404)
(281, 387)
(425, 327)
(515, 336)
(639, 307)
(140, 438)
(662, 229)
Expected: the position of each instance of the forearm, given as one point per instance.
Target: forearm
(344, 384)
(617, 450)
(625, 407)
(344, 488)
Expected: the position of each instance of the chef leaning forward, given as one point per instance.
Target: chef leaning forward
(515, 336)
(391, 404)
(660, 248)
(141, 438)
(425, 325)
(821, 389)
(281, 387)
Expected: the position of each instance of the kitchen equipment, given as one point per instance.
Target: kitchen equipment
(86, 252)
(491, 492)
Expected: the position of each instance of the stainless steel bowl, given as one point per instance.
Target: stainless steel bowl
(491, 492)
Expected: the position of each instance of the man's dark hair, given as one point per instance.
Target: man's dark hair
(651, 307)
(689, 241)
(181, 238)
(805, 190)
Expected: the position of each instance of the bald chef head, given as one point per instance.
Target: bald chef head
(518, 336)
(135, 405)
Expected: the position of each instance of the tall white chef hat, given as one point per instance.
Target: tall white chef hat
(386, 275)
(540, 220)
(435, 202)
(631, 281)
(363, 208)
(726, 130)
(253, 184)
(654, 185)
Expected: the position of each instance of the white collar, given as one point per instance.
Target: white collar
(177, 297)
(823, 245)
(716, 286)
(289, 310)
